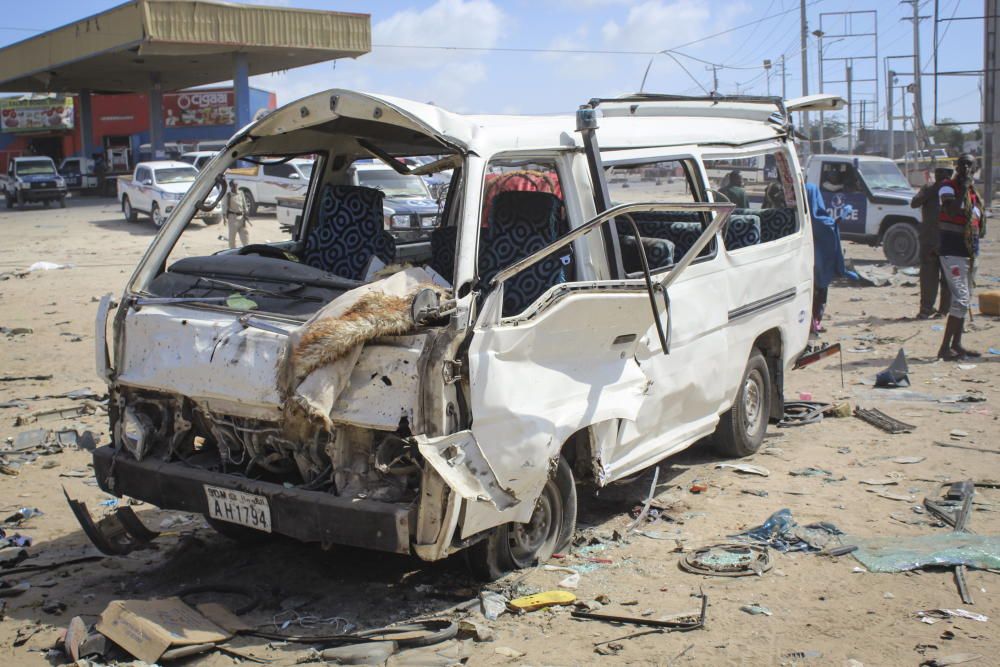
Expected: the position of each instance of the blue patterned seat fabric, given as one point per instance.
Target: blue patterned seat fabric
(775, 223)
(679, 227)
(443, 241)
(659, 253)
(521, 223)
(348, 231)
(742, 231)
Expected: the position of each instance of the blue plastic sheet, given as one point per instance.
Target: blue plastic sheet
(899, 554)
(780, 532)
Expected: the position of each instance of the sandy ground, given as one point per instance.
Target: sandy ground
(824, 610)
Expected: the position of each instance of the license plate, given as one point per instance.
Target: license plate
(245, 509)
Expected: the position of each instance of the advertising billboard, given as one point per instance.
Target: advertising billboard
(196, 108)
(36, 115)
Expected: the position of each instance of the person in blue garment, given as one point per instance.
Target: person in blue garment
(829, 257)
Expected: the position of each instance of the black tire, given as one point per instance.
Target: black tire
(250, 201)
(20, 199)
(128, 211)
(155, 215)
(741, 429)
(901, 244)
(47, 203)
(515, 545)
(236, 532)
(8, 200)
(62, 202)
(212, 219)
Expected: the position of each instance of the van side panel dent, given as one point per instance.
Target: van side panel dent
(536, 382)
(462, 464)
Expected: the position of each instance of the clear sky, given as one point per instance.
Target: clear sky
(544, 56)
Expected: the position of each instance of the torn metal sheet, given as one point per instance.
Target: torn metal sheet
(117, 534)
(460, 461)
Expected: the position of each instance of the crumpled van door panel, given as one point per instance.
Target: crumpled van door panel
(536, 382)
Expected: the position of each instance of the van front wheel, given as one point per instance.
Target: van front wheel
(518, 545)
(741, 428)
(901, 244)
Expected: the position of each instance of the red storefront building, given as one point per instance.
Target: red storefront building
(50, 125)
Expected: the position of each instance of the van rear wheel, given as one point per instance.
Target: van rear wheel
(518, 545)
(741, 428)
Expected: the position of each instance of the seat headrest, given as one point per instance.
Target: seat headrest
(516, 207)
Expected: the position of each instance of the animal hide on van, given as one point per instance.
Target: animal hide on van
(321, 354)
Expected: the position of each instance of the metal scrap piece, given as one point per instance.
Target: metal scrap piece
(727, 560)
(117, 534)
(882, 421)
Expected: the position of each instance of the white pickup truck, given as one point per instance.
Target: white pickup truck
(262, 184)
(155, 188)
(879, 195)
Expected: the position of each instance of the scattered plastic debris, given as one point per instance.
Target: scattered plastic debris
(896, 375)
(756, 610)
(782, 533)
(745, 468)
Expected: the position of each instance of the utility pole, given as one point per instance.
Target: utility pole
(715, 78)
(805, 70)
(767, 75)
(991, 96)
(819, 47)
(850, 107)
(784, 92)
(918, 98)
(889, 80)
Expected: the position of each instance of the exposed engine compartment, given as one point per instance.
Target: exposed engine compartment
(347, 461)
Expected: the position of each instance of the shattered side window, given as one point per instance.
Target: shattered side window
(523, 212)
(759, 186)
(664, 237)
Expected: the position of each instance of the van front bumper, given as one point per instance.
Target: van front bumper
(309, 516)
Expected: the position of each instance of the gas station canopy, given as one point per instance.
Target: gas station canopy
(174, 44)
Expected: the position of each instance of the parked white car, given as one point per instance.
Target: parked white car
(879, 198)
(559, 327)
(262, 184)
(156, 188)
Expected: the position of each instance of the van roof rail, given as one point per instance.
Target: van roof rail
(781, 117)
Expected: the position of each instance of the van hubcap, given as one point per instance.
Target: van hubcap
(752, 400)
(534, 540)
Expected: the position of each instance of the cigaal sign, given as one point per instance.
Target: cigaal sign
(199, 107)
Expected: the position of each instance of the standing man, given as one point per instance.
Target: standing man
(931, 273)
(235, 210)
(961, 225)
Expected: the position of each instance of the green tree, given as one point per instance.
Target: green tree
(945, 134)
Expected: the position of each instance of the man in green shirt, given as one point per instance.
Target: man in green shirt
(733, 190)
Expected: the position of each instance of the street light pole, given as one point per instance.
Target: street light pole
(767, 75)
(850, 109)
(819, 45)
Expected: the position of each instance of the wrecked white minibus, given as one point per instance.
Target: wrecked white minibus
(587, 304)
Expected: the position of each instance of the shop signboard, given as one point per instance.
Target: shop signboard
(196, 108)
(40, 114)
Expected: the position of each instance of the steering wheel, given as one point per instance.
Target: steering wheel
(220, 182)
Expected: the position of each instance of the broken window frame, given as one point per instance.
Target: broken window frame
(491, 312)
